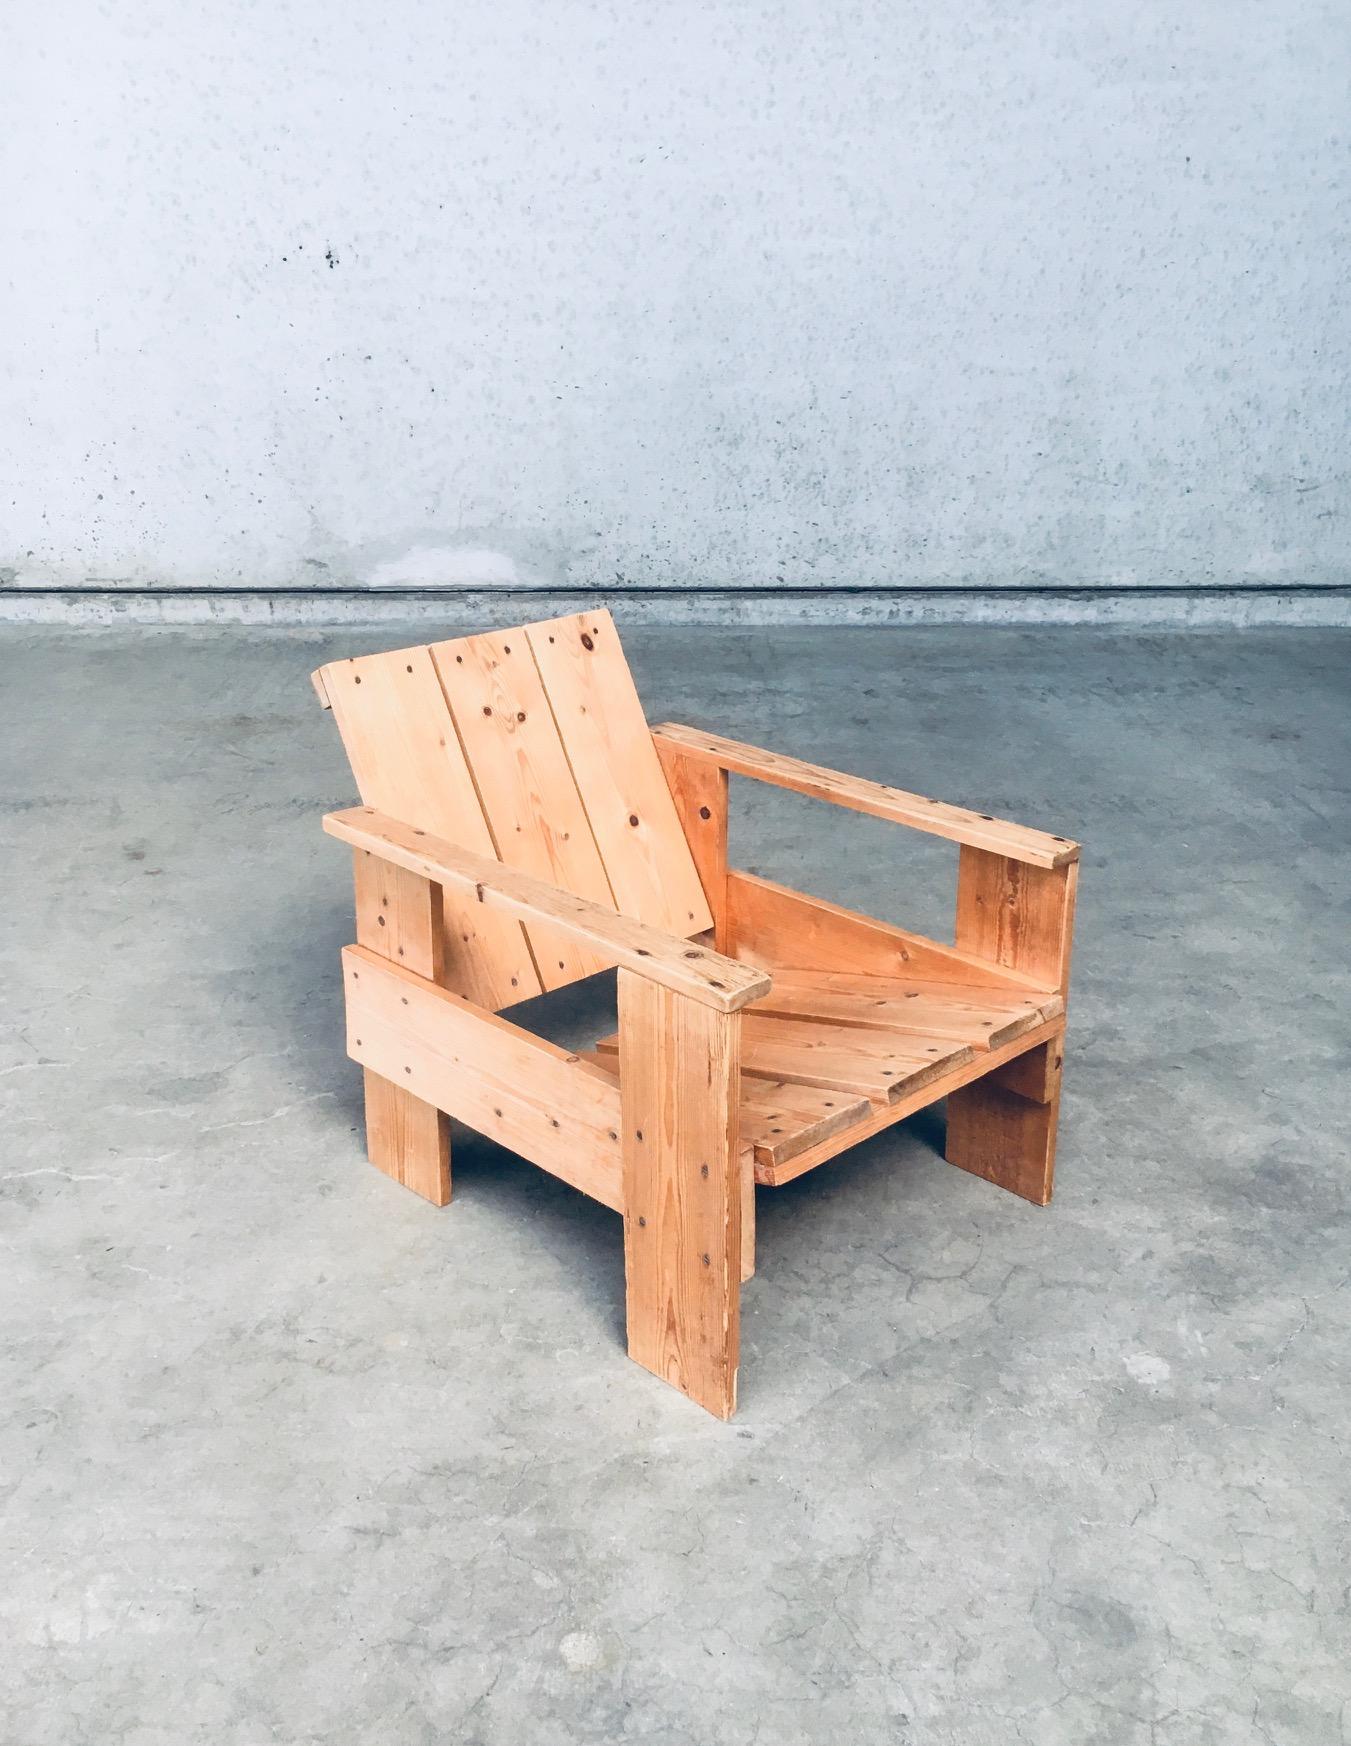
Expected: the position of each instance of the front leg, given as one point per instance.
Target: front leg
(679, 1076)
(399, 916)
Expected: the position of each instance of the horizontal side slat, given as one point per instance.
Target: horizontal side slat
(553, 1108)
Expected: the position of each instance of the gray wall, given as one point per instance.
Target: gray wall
(603, 294)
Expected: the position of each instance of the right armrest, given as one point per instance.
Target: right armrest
(677, 964)
(975, 829)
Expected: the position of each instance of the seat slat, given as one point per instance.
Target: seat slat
(618, 774)
(778, 1121)
(407, 762)
(986, 1018)
(877, 1065)
(525, 784)
(782, 1120)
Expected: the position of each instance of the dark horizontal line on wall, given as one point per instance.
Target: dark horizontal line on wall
(1160, 606)
(1068, 591)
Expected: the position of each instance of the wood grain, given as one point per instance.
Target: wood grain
(699, 791)
(1019, 917)
(982, 1017)
(679, 1073)
(407, 761)
(536, 1099)
(778, 928)
(777, 1120)
(398, 917)
(617, 772)
(525, 784)
(692, 970)
(916, 810)
(1006, 1138)
(1003, 1128)
(887, 1115)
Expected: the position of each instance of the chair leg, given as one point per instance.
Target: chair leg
(1003, 1127)
(408, 1139)
(399, 915)
(679, 1076)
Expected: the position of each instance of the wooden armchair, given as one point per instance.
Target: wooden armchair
(522, 828)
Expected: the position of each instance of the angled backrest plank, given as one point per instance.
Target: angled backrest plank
(524, 782)
(407, 762)
(617, 772)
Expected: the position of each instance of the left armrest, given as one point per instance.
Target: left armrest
(678, 964)
(976, 829)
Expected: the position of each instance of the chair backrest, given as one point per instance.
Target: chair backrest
(529, 745)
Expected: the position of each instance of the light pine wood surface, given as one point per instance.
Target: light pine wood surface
(522, 828)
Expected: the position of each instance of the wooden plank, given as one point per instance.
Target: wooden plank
(874, 1065)
(1035, 1075)
(1003, 1128)
(527, 1094)
(692, 970)
(398, 916)
(618, 775)
(778, 1120)
(879, 1065)
(699, 791)
(1005, 1137)
(525, 784)
(955, 823)
(679, 1073)
(782, 1120)
(1017, 916)
(885, 1116)
(778, 928)
(407, 762)
(983, 1017)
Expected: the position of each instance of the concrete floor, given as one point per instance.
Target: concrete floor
(290, 1457)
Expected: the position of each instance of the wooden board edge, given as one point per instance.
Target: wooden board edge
(907, 1105)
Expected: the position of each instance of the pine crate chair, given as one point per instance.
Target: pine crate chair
(521, 827)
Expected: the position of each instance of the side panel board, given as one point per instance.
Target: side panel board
(773, 926)
(1017, 916)
(532, 1097)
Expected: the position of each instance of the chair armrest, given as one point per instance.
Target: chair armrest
(680, 965)
(977, 829)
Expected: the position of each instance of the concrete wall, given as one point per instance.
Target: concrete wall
(757, 293)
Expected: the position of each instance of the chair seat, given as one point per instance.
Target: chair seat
(824, 1051)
